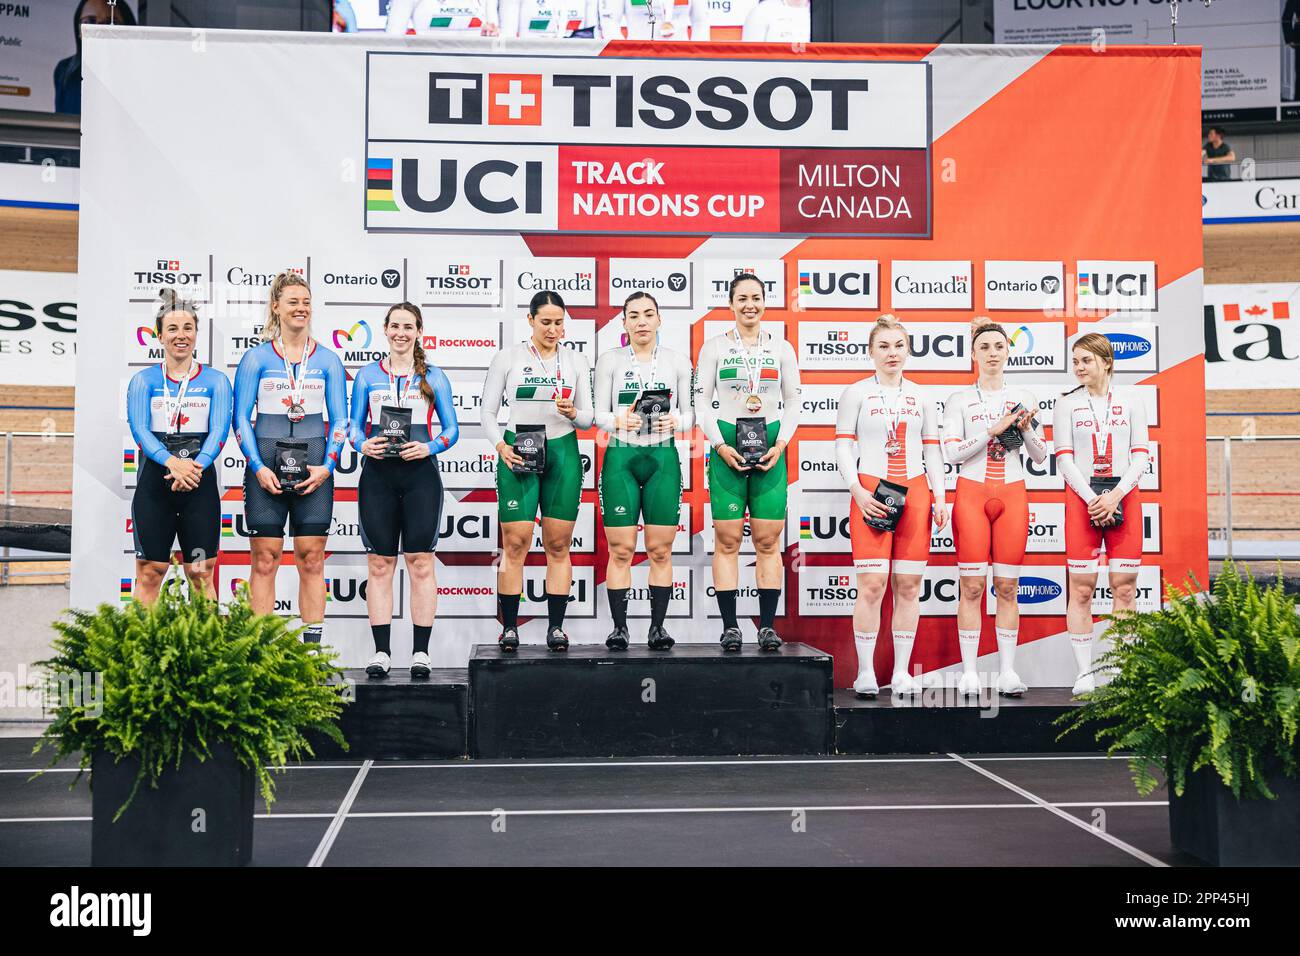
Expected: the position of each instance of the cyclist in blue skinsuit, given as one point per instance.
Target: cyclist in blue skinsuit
(399, 495)
(179, 414)
(298, 389)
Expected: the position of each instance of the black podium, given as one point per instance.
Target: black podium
(693, 700)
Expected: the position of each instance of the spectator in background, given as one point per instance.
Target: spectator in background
(67, 73)
(1217, 154)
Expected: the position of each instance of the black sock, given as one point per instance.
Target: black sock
(509, 610)
(618, 606)
(556, 604)
(422, 633)
(382, 632)
(314, 633)
(660, 595)
(727, 607)
(767, 600)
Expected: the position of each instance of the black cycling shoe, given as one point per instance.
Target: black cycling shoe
(768, 640)
(617, 640)
(557, 640)
(659, 639)
(731, 639)
(509, 640)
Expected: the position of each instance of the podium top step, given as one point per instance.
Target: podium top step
(693, 652)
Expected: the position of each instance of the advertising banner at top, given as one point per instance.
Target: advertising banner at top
(633, 145)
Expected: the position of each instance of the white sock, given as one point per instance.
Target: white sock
(1081, 644)
(969, 642)
(866, 645)
(1008, 637)
(903, 641)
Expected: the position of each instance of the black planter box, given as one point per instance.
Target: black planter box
(694, 700)
(1209, 823)
(159, 827)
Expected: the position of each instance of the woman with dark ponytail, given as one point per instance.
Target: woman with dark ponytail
(399, 495)
(179, 414)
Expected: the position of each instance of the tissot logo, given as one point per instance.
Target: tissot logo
(513, 99)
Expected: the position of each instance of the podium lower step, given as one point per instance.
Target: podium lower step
(398, 718)
(693, 700)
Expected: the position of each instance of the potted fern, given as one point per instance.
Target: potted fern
(1207, 690)
(178, 710)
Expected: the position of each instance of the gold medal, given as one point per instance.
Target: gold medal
(753, 403)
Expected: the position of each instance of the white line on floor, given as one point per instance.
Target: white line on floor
(332, 831)
(1069, 818)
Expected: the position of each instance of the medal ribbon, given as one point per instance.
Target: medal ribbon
(392, 386)
(643, 384)
(174, 411)
(753, 371)
(295, 384)
(559, 373)
(895, 413)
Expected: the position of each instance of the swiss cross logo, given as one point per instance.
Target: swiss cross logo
(838, 580)
(169, 265)
(458, 270)
(840, 336)
(514, 99)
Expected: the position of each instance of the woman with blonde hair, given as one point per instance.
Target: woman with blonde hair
(887, 448)
(1100, 433)
(986, 428)
(297, 388)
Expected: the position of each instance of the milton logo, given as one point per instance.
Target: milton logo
(1022, 350)
(513, 99)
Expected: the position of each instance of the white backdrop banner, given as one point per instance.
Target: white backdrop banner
(1252, 336)
(38, 324)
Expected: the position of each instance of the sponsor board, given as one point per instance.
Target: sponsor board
(345, 590)
(468, 527)
(834, 345)
(462, 342)
(938, 347)
(469, 591)
(1037, 347)
(584, 531)
(579, 336)
(674, 333)
(680, 606)
(355, 334)
(1042, 591)
(817, 468)
(344, 533)
(1136, 344)
(940, 591)
(820, 404)
(1046, 528)
(232, 463)
(243, 278)
(713, 278)
(347, 278)
(668, 280)
(826, 591)
(1147, 598)
(1023, 284)
(1150, 480)
(573, 278)
(746, 597)
(838, 283)
(820, 525)
(930, 284)
(456, 280)
(468, 465)
(1113, 285)
(189, 274)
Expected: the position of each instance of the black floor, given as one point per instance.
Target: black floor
(904, 811)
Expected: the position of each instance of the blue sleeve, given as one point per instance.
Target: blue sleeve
(247, 379)
(446, 412)
(360, 409)
(138, 407)
(336, 408)
(218, 418)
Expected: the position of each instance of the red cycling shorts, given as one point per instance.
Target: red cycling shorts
(990, 518)
(908, 545)
(1083, 542)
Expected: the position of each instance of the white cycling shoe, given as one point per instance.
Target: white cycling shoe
(968, 685)
(904, 684)
(1086, 684)
(378, 666)
(421, 666)
(1010, 684)
(865, 685)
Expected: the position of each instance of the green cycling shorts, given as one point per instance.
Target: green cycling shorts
(557, 490)
(731, 492)
(636, 479)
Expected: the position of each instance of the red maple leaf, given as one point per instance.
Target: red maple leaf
(183, 419)
(1256, 310)
(286, 402)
